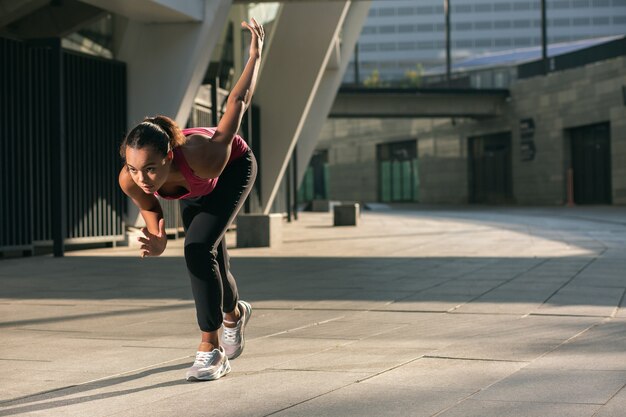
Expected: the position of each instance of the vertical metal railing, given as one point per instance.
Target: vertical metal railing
(60, 165)
(95, 123)
(39, 117)
(16, 232)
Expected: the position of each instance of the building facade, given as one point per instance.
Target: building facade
(400, 34)
(561, 140)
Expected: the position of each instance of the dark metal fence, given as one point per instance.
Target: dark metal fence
(62, 116)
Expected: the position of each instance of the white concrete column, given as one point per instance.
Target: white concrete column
(330, 83)
(166, 61)
(303, 40)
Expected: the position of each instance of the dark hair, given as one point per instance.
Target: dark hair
(160, 132)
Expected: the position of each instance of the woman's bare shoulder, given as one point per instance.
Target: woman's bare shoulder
(201, 154)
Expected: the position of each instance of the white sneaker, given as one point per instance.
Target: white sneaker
(209, 366)
(233, 338)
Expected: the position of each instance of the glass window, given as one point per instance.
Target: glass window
(462, 8)
(483, 25)
(523, 5)
(483, 43)
(580, 3)
(387, 46)
(463, 26)
(463, 43)
(561, 22)
(403, 11)
(561, 4)
(426, 45)
(580, 21)
(619, 20)
(368, 30)
(368, 47)
(619, 3)
(502, 42)
(483, 7)
(502, 7)
(502, 24)
(440, 27)
(407, 28)
(601, 3)
(407, 46)
(601, 20)
(387, 11)
(521, 24)
(425, 10)
(522, 41)
(425, 27)
(387, 29)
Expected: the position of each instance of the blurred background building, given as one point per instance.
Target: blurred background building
(401, 35)
(556, 137)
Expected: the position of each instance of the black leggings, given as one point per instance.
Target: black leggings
(206, 220)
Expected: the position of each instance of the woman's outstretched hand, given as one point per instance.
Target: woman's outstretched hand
(153, 245)
(258, 36)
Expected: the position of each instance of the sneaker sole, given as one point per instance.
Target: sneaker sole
(224, 370)
(246, 319)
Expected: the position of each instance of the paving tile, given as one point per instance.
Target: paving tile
(583, 301)
(474, 408)
(615, 407)
(361, 400)
(448, 374)
(600, 348)
(556, 386)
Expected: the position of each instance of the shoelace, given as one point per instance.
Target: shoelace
(231, 335)
(202, 358)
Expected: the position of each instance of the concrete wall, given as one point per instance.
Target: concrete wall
(559, 101)
(563, 100)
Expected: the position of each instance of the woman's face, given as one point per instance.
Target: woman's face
(148, 168)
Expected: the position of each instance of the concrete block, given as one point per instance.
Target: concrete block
(259, 230)
(346, 214)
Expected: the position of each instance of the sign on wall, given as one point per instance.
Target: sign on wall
(527, 142)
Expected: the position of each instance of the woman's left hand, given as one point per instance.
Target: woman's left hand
(151, 244)
(258, 36)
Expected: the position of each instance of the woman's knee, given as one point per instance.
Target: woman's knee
(199, 253)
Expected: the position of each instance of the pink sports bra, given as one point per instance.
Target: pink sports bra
(202, 186)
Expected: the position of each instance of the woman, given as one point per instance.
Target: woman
(211, 172)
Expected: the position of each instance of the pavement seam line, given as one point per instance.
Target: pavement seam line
(36, 394)
(609, 400)
(342, 387)
(519, 274)
(92, 315)
(619, 305)
(571, 279)
(473, 359)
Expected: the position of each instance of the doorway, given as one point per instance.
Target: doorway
(591, 163)
(490, 169)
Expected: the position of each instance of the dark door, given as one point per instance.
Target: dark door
(591, 164)
(491, 169)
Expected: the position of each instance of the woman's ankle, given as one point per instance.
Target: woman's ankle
(206, 347)
(231, 319)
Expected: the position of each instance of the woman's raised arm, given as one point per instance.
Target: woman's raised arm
(217, 152)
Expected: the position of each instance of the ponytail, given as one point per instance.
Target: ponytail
(160, 132)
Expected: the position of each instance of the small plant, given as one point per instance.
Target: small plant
(373, 80)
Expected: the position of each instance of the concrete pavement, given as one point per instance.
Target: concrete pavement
(418, 311)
